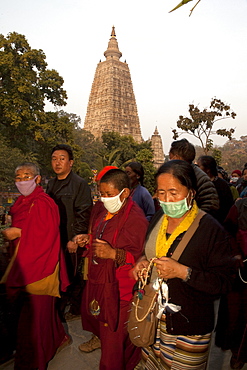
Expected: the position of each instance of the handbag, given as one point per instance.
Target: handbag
(143, 319)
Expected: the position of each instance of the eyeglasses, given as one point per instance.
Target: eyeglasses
(25, 178)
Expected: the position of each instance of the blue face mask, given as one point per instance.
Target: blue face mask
(175, 209)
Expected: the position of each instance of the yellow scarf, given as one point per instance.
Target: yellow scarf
(162, 243)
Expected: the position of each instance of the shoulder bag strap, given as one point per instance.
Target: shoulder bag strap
(187, 236)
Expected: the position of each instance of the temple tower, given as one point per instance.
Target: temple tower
(156, 142)
(112, 105)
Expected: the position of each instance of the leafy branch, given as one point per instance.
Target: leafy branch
(183, 2)
(200, 123)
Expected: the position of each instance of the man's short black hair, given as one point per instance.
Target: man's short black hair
(184, 149)
(65, 147)
(118, 178)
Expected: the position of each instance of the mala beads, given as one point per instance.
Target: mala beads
(144, 274)
(120, 256)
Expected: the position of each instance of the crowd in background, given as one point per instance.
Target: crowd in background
(80, 244)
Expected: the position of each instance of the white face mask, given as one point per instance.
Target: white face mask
(113, 204)
(26, 187)
(234, 179)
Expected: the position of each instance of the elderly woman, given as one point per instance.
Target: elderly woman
(200, 275)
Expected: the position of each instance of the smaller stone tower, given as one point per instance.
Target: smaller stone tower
(159, 156)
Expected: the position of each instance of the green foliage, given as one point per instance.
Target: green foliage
(91, 147)
(200, 123)
(217, 156)
(120, 149)
(117, 150)
(145, 157)
(26, 84)
(10, 158)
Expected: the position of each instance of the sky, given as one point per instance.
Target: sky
(174, 60)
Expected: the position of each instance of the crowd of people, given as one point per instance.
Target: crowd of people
(70, 258)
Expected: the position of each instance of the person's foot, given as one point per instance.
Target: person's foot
(91, 345)
(65, 342)
(6, 358)
(70, 317)
(235, 363)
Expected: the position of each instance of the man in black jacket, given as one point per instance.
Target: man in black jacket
(73, 197)
(206, 194)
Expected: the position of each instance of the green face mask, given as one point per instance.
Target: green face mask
(175, 209)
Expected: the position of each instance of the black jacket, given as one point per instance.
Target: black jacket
(73, 197)
(208, 254)
(206, 194)
(225, 197)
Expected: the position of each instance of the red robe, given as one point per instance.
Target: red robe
(40, 331)
(39, 249)
(125, 230)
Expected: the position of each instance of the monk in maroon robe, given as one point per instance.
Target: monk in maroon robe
(118, 229)
(36, 272)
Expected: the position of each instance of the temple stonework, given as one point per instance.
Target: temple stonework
(112, 105)
(157, 147)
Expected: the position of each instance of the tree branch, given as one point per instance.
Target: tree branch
(194, 7)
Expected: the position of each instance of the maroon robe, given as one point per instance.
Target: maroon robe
(126, 230)
(39, 250)
(40, 331)
(231, 329)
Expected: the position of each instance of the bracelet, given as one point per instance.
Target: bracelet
(189, 270)
(120, 256)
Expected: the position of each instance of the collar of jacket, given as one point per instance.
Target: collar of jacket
(63, 182)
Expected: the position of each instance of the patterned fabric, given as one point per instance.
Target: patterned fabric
(176, 352)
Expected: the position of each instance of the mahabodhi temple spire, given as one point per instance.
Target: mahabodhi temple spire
(112, 105)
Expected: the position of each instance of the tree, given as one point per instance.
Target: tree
(91, 147)
(117, 150)
(9, 159)
(145, 157)
(201, 123)
(217, 156)
(25, 86)
(234, 154)
(121, 149)
(54, 129)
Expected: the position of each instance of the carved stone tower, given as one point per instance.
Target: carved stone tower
(157, 147)
(112, 105)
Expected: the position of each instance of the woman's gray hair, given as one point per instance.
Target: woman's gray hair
(32, 166)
